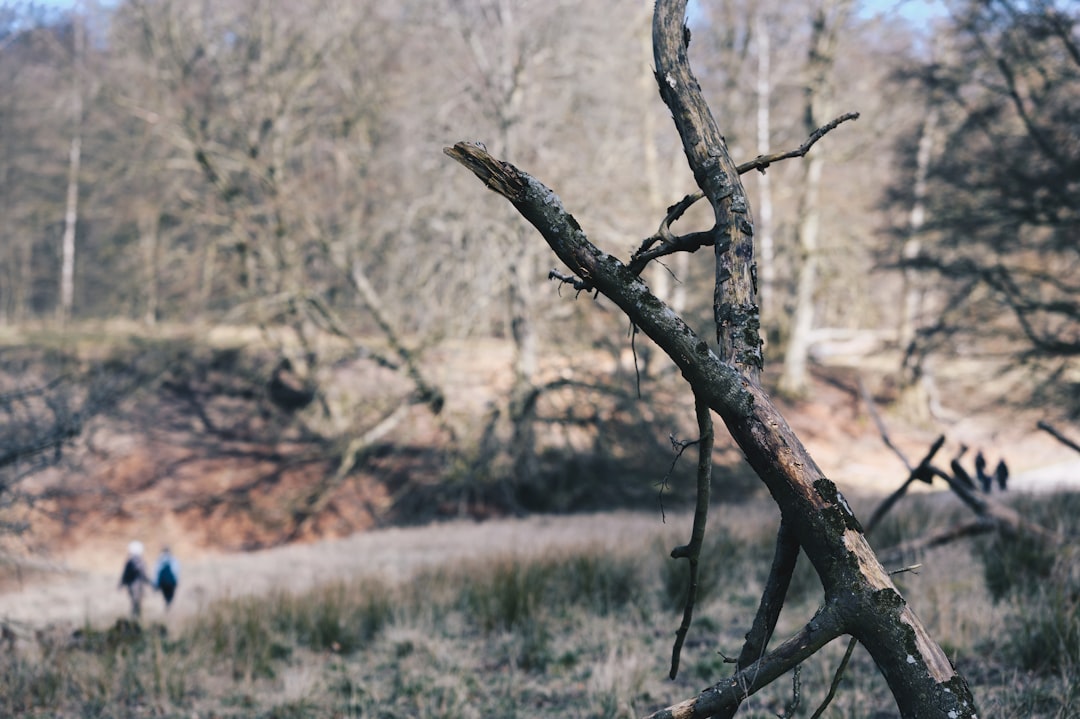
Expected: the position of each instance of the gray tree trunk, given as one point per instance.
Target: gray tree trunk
(764, 230)
(828, 20)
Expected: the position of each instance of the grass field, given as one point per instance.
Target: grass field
(570, 632)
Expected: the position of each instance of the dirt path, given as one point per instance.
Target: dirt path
(394, 554)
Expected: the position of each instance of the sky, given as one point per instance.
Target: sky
(913, 10)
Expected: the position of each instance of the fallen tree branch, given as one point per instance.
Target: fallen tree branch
(808, 500)
(860, 597)
(924, 472)
(1049, 429)
(915, 547)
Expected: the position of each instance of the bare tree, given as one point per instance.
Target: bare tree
(828, 20)
(860, 598)
(998, 241)
(71, 204)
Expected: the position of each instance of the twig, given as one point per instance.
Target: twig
(692, 551)
(923, 472)
(836, 679)
(796, 691)
(579, 285)
(678, 446)
(761, 162)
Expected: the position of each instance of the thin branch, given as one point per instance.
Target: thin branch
(17, 395)
(427, 393)
(785, 557)
(664, 243)
(923, 472)
(761, 162)
(772, 601)
(837, 676)
(1049, 429)
(678, 446)
(880, 424)
(692, 550)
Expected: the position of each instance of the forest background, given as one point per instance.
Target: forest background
(232, 247)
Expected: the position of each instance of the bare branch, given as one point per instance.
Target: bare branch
(761, 162)
(664, 243)
(860, 598)
(923, 472)
(837, 676)
(692, 550)
(1049, 429)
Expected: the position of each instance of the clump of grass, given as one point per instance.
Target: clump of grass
(509, 594)
(336, 617)
(238, 633)
(1040, 584)
(253, 634)
(1044, 634)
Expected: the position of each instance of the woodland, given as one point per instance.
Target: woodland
(254, 209)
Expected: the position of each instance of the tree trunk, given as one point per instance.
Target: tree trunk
(767, 269)
(67, 243)
(71, 204)
(148, 222)
(860, 598)
(909, 319)
(913, 391)
(828, 19)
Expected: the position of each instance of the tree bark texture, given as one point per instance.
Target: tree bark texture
(735, 307)
(860, 598)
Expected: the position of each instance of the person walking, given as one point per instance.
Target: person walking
(134, 577)
(167, 575)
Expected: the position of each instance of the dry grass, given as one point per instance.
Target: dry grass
(574, 631)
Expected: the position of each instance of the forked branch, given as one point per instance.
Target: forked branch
(664, 243)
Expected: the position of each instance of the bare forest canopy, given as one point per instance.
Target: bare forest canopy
(252, 162)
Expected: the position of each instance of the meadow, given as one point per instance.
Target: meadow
(570, 632)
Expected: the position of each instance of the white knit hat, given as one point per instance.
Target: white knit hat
(135, 549)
